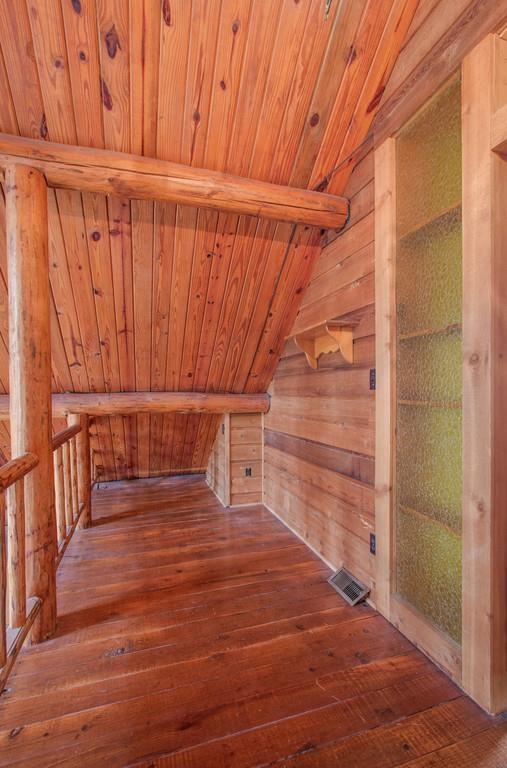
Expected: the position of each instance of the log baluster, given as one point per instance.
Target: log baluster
(61, 523)
(83, 467)
(67, 470)
(74, 478)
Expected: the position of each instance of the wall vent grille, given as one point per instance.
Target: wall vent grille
(350, 588)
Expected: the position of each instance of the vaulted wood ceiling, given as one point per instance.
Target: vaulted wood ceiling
(164, 297)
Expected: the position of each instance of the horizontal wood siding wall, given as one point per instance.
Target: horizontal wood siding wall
(217, 472)
(319, 432)
(246, 454)
(234, 470)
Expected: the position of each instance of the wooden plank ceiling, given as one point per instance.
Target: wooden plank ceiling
(165, 297)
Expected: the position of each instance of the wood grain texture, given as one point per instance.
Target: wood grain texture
(133, 176)
(30, 379)
(484, 380)
(206, 637)
(144, 403)
(234, 470)
(161, 296)
(319, 433)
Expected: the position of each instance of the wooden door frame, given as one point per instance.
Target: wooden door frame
(480, 665)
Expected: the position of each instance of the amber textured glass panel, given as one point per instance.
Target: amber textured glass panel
(429, 462)
(429, 155)
(429, 282)
(429, 368)
(429, 362)
(431, 571)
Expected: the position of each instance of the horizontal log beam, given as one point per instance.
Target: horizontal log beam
(107, 404)
(133, 176)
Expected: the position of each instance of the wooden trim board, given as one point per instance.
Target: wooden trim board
(385, 352)
(484, 380)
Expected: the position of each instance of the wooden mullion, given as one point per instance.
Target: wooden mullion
(385, 361)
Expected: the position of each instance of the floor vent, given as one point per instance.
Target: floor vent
(348, 587)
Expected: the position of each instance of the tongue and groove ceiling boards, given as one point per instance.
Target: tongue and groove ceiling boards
(151, 295)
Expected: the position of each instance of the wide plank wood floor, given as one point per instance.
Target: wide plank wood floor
(194, 636)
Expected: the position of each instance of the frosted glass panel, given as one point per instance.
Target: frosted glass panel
(429, 362)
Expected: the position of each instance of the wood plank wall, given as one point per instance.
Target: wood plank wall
(319, 433)
(234, 469)
(218, 471)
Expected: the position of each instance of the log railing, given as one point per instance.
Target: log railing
(17, 609)
(72, 486)
(68, 506)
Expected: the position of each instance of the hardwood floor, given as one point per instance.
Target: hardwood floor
(193, 636)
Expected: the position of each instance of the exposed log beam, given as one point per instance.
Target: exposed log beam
(133, 176)
(106, 404)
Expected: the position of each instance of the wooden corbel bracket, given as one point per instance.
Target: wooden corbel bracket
(329, 337)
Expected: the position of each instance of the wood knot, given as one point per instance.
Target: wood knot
(82, 55)
(59, 63)
(197, 116)
(76, 4)
(112, 42)
(223, 85)
(166, 12)
(43, 128)
(106, 96)
(322, 185)
(95, 235)
(314, 120)
(376, 99)
(235, 27)
(352, 54)
(474, 359)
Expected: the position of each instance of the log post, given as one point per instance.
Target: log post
(83, 468)
(30, 378)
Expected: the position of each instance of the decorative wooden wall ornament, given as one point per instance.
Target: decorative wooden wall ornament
(329, 337)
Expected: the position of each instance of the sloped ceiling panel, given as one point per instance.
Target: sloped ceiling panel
(164, 297)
